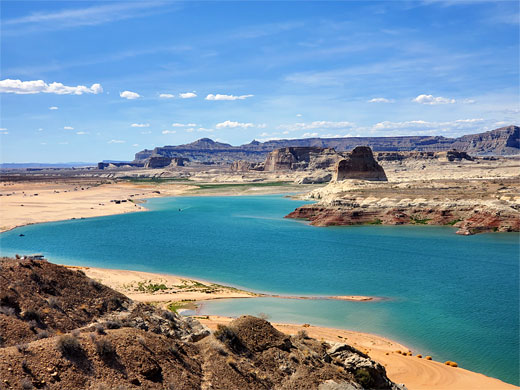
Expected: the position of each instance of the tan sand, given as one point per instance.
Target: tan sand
(414, 372)
(25, 203)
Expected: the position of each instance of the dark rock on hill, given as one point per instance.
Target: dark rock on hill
(360, 164)
(62, 330)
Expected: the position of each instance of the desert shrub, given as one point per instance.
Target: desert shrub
(100, 328)
(105, 349)
(302, 335)
(22, 348)
(263, 316)
(8, 311)
(363, 378)
(42, 335)
(419, 356)
(30, 314)
(95, 284)
(53, 302)
(113, 324)
(428, 358)
(227, 336)
(69, 346)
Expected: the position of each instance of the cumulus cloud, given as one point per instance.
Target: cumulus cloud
(310, 135)
(40, 86)
(3, 130)
(116, 141)
(187, 95)
(218, 96)
(81, 132)
(129, 95)
(68, 128)
(232, 125)
(299, 115)
(146, 132)
(184, 125)
(166, 96)
(380, 100)
(140, 125)
(53, 108)
(430, 99)
(135, 145)
(316, 125)
(168, 131)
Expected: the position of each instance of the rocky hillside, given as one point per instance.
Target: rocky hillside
(62, 330)
(502, 141)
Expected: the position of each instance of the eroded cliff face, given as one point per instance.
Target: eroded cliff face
(473, 207)
(359, 164)
(301, 158)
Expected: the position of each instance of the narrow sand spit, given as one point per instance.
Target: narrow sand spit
(416, 373)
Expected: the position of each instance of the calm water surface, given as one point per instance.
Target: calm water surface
(455, 298)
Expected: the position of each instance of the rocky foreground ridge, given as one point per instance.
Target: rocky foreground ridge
(502, 141)
(473, 206)
(61, 330)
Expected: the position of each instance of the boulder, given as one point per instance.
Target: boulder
(360, 164)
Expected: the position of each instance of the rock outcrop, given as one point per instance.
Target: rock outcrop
(244, 166)
(360, 164)
(62, 330)
(502, 141)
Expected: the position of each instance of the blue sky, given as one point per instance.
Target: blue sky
(86, 81)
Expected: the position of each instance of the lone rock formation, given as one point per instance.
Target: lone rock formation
(360, 164)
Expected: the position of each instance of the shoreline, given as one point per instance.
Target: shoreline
(402, 367)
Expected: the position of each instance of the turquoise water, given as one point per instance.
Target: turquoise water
(453, 297)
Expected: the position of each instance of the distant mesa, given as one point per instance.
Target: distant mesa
(296, 153)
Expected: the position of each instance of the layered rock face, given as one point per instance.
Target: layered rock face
(502, 141)
(300, 158)
(450, 155)
(360, 164)
(244, 166)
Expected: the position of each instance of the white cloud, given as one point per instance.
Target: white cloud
(53, 108)
(3, 131)
(3, 128)
(116, 141)
(129, 95)
(218, 96)
(310, 135)
(187, 95)
(81, 132)
(317, 125)
(299, 115)
(469, 101)
(262, 125)
(420, 127)
(146, 132)
(63, 143)
(135, 145)
(166, 96)
(380, 100)
(184, 125)
(68, 128)
(40, 86)
(430, 99)
(40, 129)
(232, 125)
(168, 131)
(140, 125)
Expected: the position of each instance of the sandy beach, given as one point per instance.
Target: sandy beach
(416, 373)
